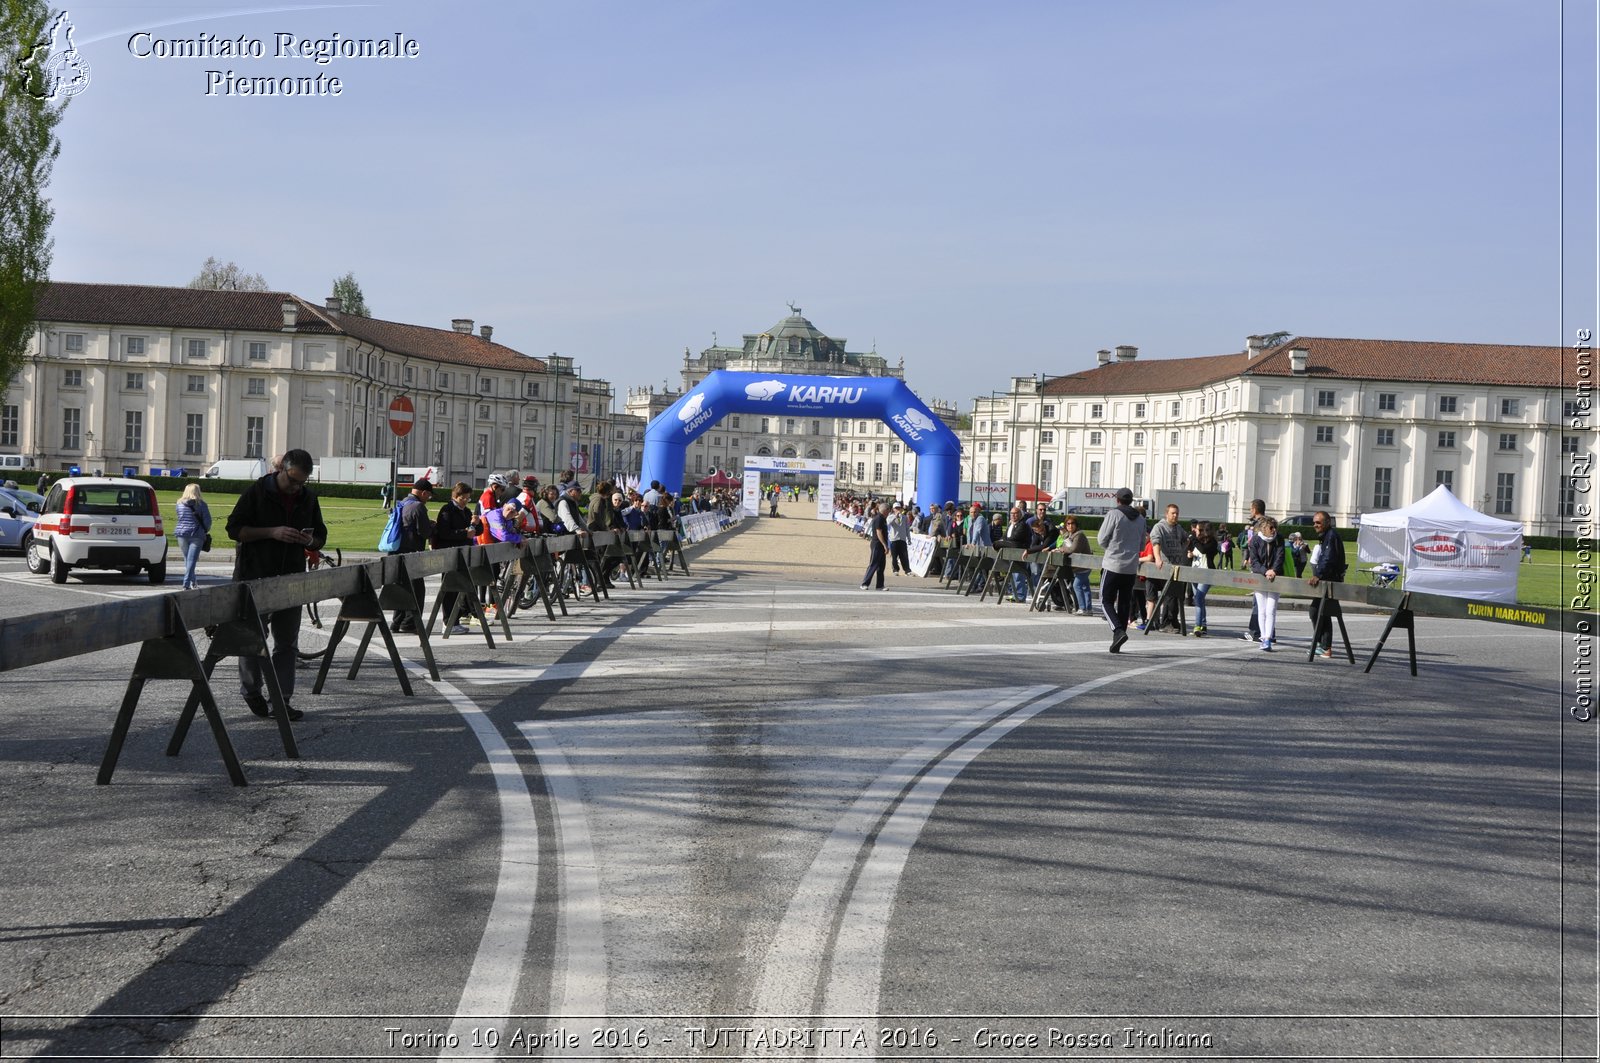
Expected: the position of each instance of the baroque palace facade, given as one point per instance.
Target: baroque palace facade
(1347, 425)
(162, 378)
(867, 456)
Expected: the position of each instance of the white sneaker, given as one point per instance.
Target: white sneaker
(460, 629)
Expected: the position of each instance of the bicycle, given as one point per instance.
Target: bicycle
(316, 559)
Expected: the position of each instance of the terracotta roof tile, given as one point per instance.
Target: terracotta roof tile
(1412, 361)
(1420, 361)
(147, 304)
(165, 307)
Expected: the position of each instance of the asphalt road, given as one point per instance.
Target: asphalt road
(758, 812)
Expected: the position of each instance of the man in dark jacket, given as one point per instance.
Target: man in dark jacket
(415, 532)
(1327, 566)
(275, 522)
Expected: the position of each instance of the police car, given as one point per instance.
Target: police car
(99, 522)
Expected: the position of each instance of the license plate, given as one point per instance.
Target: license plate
(112, 529)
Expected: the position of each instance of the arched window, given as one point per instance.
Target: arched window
(764, 451)
(788, 452)
(813, 453)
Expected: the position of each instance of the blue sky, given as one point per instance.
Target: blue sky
(984, 190)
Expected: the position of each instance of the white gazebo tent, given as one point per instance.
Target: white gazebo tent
(1446, 547)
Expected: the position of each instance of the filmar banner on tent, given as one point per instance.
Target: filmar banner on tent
(1446, 547)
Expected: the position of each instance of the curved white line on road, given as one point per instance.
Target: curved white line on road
(578, 989)
(856, 971)
(491, 987)
(787, 986)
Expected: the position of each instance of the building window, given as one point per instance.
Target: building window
(9, 425)
(438, 449)
(197, 348)
(531, 389)
(255, 437)
(194, 382)
(256, 385)
(1138, 439)
(1571, 408)
(1321, 485)
(133, 382)
(816, 427)
(1047, 475)
(72, 342)
(1447, 404)
(1510, 408)
(133, 431)
(358, 445)
(441, 408)
(1508, 441)
(1097, 409)
(699, 462)
(444, 383)
(877, 472)
(894, 472)
(72, 378)
(133, 345)
(983, 446)
(877, 448)
(1386, 401)
(1047, 411)
(1138, 478)
(1569, 444)
(1386, 437)
(1047, 437)
(1095, 438)
(1445, 478)
(481, 452)
(1172, 439)
(734, 423)
(1326, 399)
(484, 414)
(485, 386)
(1172, 475)
(1177, 408)
(257, 350)
(1505, 487)
(194, 432)
(1222, 433)
(410, 375)
(1324, 433)
(1094, 474)
(1382, 488)
(861, 471)
(1138, 409)
(1447, 441)
(71, 428)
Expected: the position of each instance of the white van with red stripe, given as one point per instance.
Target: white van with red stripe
(100, 522)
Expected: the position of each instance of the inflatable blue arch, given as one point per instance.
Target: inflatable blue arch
(884, 398)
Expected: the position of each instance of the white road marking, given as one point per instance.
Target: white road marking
(491, 987)
(787, 985)
(578, 989)
(856, 969)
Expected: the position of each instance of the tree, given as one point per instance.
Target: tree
(1273, 339)
(214, 276)
(32, 96)
(351, 301)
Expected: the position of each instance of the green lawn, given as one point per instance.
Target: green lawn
(353, 524)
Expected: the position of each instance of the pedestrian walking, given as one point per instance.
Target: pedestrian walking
(192, 531)
(1265, 557)
(1122, 536)
(1327, 566)
(878, 538)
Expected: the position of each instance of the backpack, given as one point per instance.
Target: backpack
(389, 541)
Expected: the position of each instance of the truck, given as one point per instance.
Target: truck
(1192, 505)
(352, 470)
(237, 469)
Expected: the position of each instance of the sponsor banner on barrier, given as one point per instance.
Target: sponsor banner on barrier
(919, 551)
(700, 526)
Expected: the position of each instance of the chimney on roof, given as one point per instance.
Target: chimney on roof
(462, 325)
(487, 332)
(1103, 356)
(334, 303)
(1298, 356)
(291, 315)
(1254, 345)
(1126, 352)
